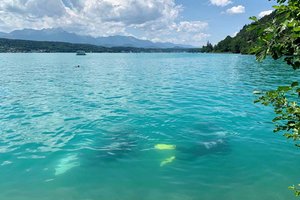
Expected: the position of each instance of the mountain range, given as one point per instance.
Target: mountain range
(60, 35)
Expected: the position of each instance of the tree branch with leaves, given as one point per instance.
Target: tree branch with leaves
(280, 39)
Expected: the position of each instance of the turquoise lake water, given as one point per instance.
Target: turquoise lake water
(89, 133)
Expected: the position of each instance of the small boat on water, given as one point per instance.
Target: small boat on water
(80, 53)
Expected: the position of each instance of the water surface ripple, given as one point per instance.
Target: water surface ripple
(89, 133)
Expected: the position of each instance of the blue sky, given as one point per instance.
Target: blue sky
(179, 21)
(220, 23)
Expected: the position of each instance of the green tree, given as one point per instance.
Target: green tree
(245, 39)
(281, 39)
(224, 45)
(208, 48)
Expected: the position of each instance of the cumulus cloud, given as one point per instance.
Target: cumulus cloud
(220, 2)
(185, 32)
(264, 13)
(131, 11)
(104, 17)
(193, 26)
(33, 8)
(236, 10)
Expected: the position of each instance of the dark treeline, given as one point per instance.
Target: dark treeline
(243, 42)
(26, 46)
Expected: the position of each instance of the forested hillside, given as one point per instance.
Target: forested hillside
(243, 42)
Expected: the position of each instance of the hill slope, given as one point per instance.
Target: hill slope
(244, 41)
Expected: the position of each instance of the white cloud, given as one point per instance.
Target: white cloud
(236, 10)
(220, 2)
(34, 8)
(234, 34)
(184, 32)
(264, 13)
(131, 11)
(150, 18)
(193, 26)
(187, 32)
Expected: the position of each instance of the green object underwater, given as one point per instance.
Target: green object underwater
(167, 161)
(165, 147)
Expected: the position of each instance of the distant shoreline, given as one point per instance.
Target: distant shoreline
(162, 52)
(29, 46)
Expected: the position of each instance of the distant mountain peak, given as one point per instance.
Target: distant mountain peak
(60, 35)
(59, 30)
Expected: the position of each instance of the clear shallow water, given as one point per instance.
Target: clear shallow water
(89, 133)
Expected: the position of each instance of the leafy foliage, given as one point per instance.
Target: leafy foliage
(287, 111)
(281, 39)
